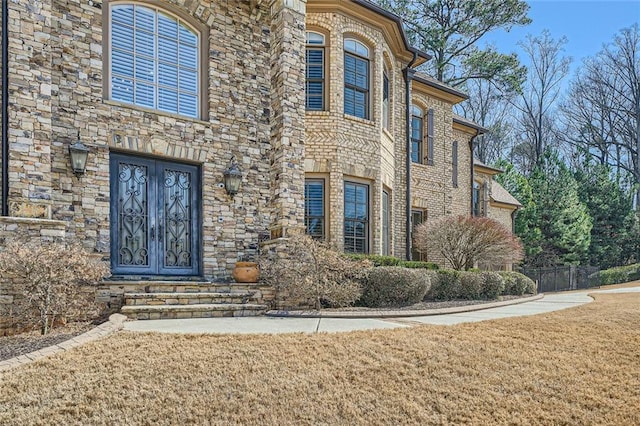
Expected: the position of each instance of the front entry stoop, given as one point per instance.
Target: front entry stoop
(188, 299)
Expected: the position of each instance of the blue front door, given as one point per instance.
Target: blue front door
(154, 217)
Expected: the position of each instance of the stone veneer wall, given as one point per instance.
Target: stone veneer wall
(57, 52)
(340, 147)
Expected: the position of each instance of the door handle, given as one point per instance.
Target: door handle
(152, 232)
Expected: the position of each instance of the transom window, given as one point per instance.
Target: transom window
(314, 85)
(154, 60)
(417, 133)
(356, 217)
(356, 79)
(314, 208)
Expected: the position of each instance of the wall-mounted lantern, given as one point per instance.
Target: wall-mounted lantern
(232, 177)
(78, 153)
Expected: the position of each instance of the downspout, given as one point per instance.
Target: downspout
(4, 136)
(408, 76)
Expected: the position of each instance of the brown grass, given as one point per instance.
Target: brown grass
(577, 366)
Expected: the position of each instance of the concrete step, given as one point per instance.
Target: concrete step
(179, 287)
(143, 312)
(202, 298)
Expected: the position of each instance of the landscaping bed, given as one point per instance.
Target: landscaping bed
(24, 343)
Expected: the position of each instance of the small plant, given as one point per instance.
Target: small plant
(445, 285)
(464, 240)
(415, 264)
(492, 285)
(51, 276)
(392, 286)
(310, 273)
(517, 284)
(375, 259)
(470, 285)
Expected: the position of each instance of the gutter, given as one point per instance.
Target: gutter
(408, 76)
(472, 145)
(4, 136)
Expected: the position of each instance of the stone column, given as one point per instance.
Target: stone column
(287, 52)
(30, 112)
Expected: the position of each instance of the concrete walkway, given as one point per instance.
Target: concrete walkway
(270, 325)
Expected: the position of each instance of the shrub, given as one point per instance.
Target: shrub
(445, 285)
(492, 285)
(51, 276)
(393, 286)
(375, 259)
(464, 240)
(517, 284)
(620, 274)
(414, 264)
(310, 273)
(470, 285)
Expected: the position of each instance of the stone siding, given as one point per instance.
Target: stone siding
(57, 55)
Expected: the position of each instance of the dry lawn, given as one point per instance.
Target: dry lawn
(572, 367)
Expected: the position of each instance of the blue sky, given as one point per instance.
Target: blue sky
(587, 24)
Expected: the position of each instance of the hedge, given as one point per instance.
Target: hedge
(393, 286)
(620, 274)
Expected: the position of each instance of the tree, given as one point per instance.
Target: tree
(526, 221)
(541, 91)
(450, 30)
(611, 209)
(488, 105)
(465, 240)
(602, 112)
(563, 219)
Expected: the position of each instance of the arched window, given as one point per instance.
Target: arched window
(315, 79)
(417, 134)
(154, 60)
(356, 79)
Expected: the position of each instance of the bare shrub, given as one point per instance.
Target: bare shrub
(51, 276)
(313, 274)
(465, 240)
(393, 286)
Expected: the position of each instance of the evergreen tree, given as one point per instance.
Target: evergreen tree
(526, 223)
(611, 209)
(563, 219)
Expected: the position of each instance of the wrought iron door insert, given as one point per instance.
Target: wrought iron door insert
(154, 217)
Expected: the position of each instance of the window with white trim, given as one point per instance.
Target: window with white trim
(386, 114)
(154, 60)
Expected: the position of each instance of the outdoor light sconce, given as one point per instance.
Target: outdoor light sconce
(78, 153)
(232, 177)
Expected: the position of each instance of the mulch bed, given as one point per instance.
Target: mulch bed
(431, 305)
(21, 344)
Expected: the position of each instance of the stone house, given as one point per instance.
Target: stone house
(316, 101)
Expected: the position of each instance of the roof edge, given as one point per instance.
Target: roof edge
(398, 20)
(441, 86)
(468, 123)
